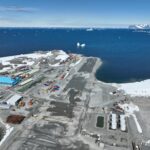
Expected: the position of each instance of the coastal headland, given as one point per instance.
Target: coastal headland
(53, 101)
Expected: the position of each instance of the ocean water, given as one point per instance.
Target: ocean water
(125, 53)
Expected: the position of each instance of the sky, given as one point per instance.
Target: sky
(73, 13)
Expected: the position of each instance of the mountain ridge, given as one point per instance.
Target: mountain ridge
(139, 26)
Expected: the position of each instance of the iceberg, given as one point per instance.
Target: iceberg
(141, 88)
(81, 45)
(78, 44)
(89, 29)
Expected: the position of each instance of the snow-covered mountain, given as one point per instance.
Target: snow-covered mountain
(139, 26)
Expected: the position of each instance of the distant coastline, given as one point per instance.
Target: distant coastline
(141, 88)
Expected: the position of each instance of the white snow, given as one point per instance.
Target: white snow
(129, 111)
(29, 59)
(8, 131)
(141, 26)
(66, 75)
(55, 65)
(62, 56)
(135, 89)
(5, 69)
(129, 108)
(147, 142)
(137, 123)
(36, 55)
(5, 60)
(32, 56)
(74, 64)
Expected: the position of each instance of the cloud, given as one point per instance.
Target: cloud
(17, 9)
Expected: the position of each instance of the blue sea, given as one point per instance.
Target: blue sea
(125, 53)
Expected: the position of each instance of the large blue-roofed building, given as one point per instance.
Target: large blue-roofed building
(6, 80)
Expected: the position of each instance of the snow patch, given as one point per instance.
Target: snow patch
(9, 129)
(76, 63)
(129, 108)
(6, 60)
(135, 89)
(137, 123)
(62, 56)
(129, 111)
(29, 59)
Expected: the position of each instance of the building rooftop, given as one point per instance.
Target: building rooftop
(114, 120)
(14, 99)
(9, 80)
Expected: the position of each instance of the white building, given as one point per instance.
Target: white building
(4, 106)
(26, 81)
(113, 121)
(14, 100)
(122, 123)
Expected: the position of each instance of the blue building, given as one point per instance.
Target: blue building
(6, 80)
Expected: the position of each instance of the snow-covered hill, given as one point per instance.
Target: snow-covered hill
(139, 26)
